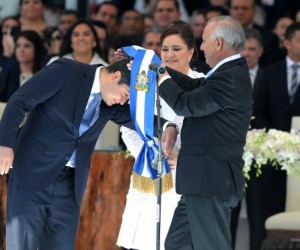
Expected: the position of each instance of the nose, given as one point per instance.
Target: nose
(201, 47)
(170, 53)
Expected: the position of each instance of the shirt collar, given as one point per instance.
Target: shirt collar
(290, 62)
(230, 58)
(96, 83)
(254, 70)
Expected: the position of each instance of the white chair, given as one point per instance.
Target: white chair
(285, 226)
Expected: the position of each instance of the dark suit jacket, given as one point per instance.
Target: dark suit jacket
(272, 108)
(270, 41)
(56, 98)
(217, 113)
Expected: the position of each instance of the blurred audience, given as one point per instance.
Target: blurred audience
(280, 28)
(29, 53)
(107, 12)
(213, 11)
(112, 44)
(10, 26)
(53, 40)
(66, 19)
(165, 11)
(152, 40)
(148, 22)
(198, 22)
(102, 33)
(131, 23)
(244, 11)
(32, 16)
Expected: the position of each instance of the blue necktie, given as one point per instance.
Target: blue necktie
(90, 115)
(294, 82)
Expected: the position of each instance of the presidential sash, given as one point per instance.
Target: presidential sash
(142, 106)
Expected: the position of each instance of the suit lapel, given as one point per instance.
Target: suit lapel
(84, 92)
(281, 79)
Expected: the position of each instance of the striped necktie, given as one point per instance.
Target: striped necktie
(294, 82)
(90, 115)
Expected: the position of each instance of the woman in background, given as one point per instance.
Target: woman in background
(32, 16)
(29, 54)
(81, 44)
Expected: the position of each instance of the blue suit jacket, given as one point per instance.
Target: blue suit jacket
(56, 98)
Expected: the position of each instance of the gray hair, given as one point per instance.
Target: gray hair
(229, 30)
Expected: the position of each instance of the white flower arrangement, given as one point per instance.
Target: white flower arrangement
(276, 147)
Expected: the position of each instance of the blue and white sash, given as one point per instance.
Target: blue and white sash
(142, 105)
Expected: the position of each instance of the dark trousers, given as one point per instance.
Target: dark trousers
(234, 222)
(200, 222)
(47, 219)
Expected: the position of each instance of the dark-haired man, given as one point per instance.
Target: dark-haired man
(68, 103)
(108, 13)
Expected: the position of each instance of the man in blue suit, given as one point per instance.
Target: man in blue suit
(48, 158)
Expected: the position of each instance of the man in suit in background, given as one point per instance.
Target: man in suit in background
(276, 100)
(48, 158)
(252, 52)
(217, 113)
(244, 11)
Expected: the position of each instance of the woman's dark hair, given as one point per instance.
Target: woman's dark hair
(39, 48)
(66, 46)
(183, 30)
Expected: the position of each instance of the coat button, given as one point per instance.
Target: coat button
(67, 157)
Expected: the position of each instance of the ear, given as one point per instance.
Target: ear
(191, 52)
(219, 43)
(286, 43)
(116, 76)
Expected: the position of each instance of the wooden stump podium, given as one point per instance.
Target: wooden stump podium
(103, 203)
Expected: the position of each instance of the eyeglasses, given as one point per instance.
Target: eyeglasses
(56, 37)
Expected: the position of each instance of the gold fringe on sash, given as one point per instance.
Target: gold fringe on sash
(148, 185)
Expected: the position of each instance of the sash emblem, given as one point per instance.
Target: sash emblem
(142, 82)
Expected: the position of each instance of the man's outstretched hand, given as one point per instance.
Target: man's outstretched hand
(6, 159)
